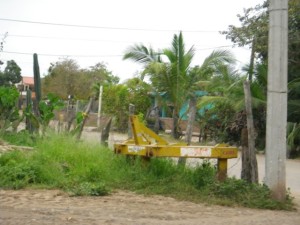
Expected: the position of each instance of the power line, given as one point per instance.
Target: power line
(103, 27)
(202, 49)
(60, 55)
(92, 40)
(94, 56)
(64, 38)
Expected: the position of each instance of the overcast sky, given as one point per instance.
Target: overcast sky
(103, 29)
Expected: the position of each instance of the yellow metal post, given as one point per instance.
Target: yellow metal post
(222, 169)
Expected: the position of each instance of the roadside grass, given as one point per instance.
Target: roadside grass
(23, 138)
(80, 168)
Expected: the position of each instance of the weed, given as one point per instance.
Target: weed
(61, 161)
(87, 188)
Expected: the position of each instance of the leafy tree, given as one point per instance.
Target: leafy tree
(61, 78)
(94, 77)
(254, 31)
(66, 78)
(139, 94)
(225, 98)
(11, 74)
(254, 27)
(116, 100)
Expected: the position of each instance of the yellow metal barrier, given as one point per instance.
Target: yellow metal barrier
(146, 143)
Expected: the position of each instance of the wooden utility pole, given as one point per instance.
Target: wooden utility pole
(249, 162)
(277, 98)
(99, 106)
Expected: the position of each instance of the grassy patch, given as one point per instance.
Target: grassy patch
(23, 138)
(60, 161)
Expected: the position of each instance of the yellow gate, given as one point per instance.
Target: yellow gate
(146, 143)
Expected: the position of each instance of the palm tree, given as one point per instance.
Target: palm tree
(168, 76)
(212, 65)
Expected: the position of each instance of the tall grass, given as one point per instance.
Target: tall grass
(80, 168)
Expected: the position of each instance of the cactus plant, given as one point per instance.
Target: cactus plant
(37, 81)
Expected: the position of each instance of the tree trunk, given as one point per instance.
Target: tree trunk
(249, 162)
(190, 125)
(156, 123)
(105, 132)
(246, 165)
(175, 129)
(191, 120)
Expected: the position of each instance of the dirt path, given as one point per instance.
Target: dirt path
(55, 207)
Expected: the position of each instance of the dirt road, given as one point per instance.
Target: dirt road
(55, 207)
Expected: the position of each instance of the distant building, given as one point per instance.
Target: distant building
(27, 83)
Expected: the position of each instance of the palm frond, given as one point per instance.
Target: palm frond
(208, 100)
(218, 57)
(141, 54)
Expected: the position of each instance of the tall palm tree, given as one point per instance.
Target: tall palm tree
(167, 76)
(175, 77)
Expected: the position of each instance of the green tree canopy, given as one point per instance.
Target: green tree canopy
(116, 100)
(254, 31)
(11, 74)
(67, 78)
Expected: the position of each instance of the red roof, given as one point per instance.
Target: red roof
(28, 80)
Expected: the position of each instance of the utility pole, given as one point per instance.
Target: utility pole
(99, 106)
(277, 99)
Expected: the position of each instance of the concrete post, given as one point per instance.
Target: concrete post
(277, 99)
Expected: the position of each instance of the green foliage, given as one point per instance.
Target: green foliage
(47, 109)
(204, 175)
(60, 161)
(249, 194)
(11, 74)
(23, 138)
(8, 107)
(16, 171)
(215, 119)
(293, 140)
(174, 76)
(253, 30)
(116, 100)
(79, 118)
(67, 78)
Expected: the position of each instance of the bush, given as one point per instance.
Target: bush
(16, 171)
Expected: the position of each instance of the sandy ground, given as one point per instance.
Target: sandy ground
(56, 207)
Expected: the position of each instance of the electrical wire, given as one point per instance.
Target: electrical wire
(61, 55)
(103, 27)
